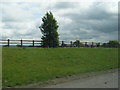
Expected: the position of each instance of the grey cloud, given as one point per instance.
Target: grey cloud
(64, 5)
(93, 23)
(7, 18)
(8, 25)
(96, 18)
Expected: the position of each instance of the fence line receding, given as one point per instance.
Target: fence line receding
(37, 43)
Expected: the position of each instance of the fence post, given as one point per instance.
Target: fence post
(8, 42)
(78, 44)
(62, 43)
(33, 43)
(85, 44)
(92, 44)
(98, 44)
(21, 43)
(71, 43)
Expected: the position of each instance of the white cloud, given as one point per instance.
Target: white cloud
(61, 0)
(14, 12)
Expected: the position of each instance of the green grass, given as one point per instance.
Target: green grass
(22, 66)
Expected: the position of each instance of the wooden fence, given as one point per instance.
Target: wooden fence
(20, 43)
(37, 43)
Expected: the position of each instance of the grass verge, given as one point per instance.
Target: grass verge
(22, 66)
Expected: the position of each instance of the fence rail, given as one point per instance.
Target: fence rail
(37, 43)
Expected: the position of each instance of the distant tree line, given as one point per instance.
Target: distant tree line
(77, 43)
(111, 43)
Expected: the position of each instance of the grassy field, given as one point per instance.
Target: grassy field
(22, 66)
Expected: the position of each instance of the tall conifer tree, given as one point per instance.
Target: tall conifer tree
(49, 29)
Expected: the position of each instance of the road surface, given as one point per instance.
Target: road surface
(104, 80)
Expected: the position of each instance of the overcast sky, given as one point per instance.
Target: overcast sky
(84, 21)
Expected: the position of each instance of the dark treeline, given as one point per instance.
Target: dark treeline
(77, 43)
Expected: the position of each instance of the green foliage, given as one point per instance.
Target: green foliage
(49, 30)
(104, 45)
(32, 65)
(77, 43)
(97, 44)
(63, 44)
(113, 43)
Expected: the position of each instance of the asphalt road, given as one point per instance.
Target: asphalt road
(104, 80)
